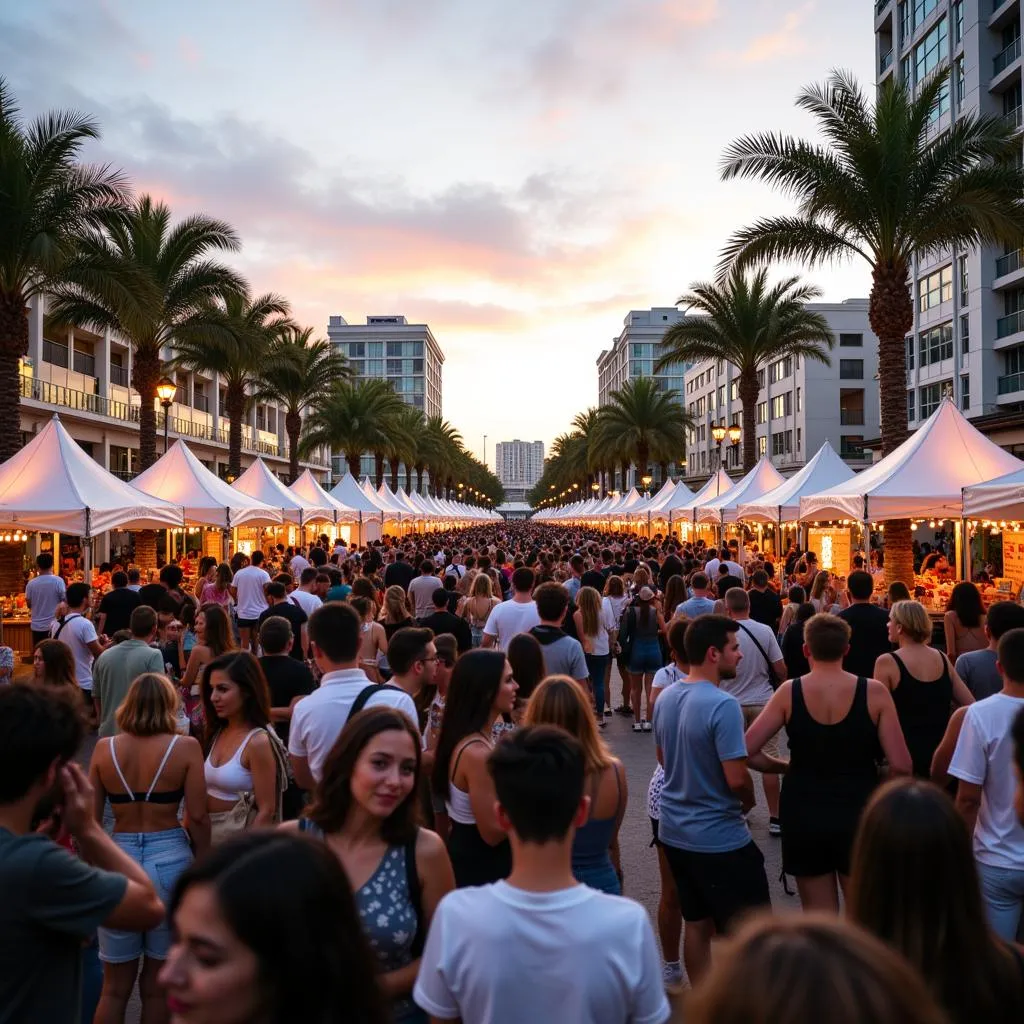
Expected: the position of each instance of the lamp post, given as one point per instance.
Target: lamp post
(165, 391)
(646, 481)
(718, 434)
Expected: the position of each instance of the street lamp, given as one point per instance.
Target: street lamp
(165, 391)
(646, 481)
(718, 433)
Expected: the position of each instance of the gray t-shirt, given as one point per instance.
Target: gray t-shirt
(697, 726)
(51, 902)
(978, 671)
(564, 657)
(43, 593)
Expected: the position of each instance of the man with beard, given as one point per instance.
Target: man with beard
(698, 728)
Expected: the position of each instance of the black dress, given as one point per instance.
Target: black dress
(924, 708)
(832, 772)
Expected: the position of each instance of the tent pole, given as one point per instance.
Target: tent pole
(87, 548)
(965, 550)
(865, 535)
(780, 555)
(225, 534)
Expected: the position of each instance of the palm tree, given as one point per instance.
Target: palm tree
(642, 419)
(889, 189)
(749, 324)
(352, 419)
(47, 198)
(237, 344)
(152, 283)
(410, 424)
(444, 446)
(402, 444)
(301, 377)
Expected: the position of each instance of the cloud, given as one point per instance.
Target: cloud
(785, 41)
(188, 50)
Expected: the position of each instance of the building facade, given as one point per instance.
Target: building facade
(968, 336)
(635, 351)
(84, 376)
(802, 403)
(390, 348)
(519, 463)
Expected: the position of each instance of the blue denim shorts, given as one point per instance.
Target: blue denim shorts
(645, 656)
(163, 856)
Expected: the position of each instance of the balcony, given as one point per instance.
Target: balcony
(881, 6)
(1005, 57)
(1012, 119)
(84, 363)
(851, 448)
(56, 394)
(851, 417)
(1010, 383)
(200, 402)
(1012, 324)
(119, 375)
(1008, 264)
(122, 474)
(885, 62)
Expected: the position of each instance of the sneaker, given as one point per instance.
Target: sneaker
(624, 709)
(645, 725)
(636, 727)
(671, 976)
(608, 712)
(774, 827)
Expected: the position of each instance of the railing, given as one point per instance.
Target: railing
(1011, 382)
(1007, 325)
(69, 398)
(881, 6)
(55, 353)
(1008, 264)
(851, 451)
(200, 402)
(851, 417)
(1006, 57)
(122, 474)
(119, 375)
(82, 362)
(885, 62)
(1012, 119)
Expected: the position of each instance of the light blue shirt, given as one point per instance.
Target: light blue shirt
(697, 726)
(695, 606)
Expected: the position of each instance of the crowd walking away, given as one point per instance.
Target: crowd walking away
(386, 782)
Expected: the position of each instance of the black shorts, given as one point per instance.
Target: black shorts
(719, 886)
(654, 832)
(248, 623)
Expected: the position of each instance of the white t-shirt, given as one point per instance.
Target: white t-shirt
(509, 619)
(605, 621)
(615, 606)
(298, 565)
(503, 955)
(318, 719)
(752, 684)
(249, 583)
(711, 570)
(984, 756)
(78, 633)
(306, 601)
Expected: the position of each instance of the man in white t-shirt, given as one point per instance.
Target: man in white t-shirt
(250, 599)
(983, 762)
(317, 720)
(599, 957)
(79, 634)
(760, 671)
(712, 564)
(303, 594)
(298, 564)
(510, 618)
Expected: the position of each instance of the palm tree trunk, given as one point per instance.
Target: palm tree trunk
(643, 457)
(408, 478)
(353, 459)
(235, 405)
(378, 469)
(393, 465)
(625, 476)
(13, 345)
(419, 477)
(891, 314)
(663, 469)
(748, 392)
(145, 374)
(293, 428)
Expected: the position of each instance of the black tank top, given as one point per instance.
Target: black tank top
(924, 708)
(841, 756)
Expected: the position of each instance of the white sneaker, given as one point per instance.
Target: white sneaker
(645, 725)
(671, 976)
(637, 727)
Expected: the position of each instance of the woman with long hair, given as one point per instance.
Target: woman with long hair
(560, 701)
(795, 597)
(53, 668)
(675, 595)
(964, 621)
(218, 589)
(213, 638)
(243, 761)
(594, 627)
(924, 684)
(482, 688)
(914, 885)
(373, 641)
(365, 810)
(477, 607)
(616, 600)
(526, 656)
(642, 626)
(823, 595)
(206, 573)
(248, 949)
(897, 591)
(146, 771)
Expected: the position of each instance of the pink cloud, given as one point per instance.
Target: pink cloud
(189, 50)
(785, 41)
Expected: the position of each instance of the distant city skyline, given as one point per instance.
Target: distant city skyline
(519, 183)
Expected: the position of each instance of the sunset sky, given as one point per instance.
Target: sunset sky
(519, 175)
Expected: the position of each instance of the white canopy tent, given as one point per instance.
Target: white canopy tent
(1002, 498)
(308, 490)
(52, 485)
(762, 478)
(179, 477)
(782, 505)
(368, 513)
(681, 509)
(258, 482)
(923, 478)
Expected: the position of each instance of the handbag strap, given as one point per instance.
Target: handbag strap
(757, 644)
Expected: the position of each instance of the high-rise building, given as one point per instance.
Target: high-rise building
(519, 464)
(635, 351)
(390, 348)
(802, 403)
(968, 335)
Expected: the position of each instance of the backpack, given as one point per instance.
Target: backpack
(366, 693)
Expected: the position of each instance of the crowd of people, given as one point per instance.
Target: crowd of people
(372, 783)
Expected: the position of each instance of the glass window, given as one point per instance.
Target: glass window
(905, 70)
(851, 340)
(965, 334)
(762, 412)
(798, 401)
(936, 344)
(931, 51)
(935, 289)
(958, 21)
(964, 281)
(734, 391)
(799, 441)
(965, 391)
(375, 349)
(941, 103)
(760, 379)
(931, 396)
(910, 353)
(910, 406)
(721, 396)
(762, 445)
(958, 74)
(851, 446)
(905, 26)
(851, 369)
(922, 8)
(778, 408)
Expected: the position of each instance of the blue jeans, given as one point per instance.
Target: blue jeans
(163, 856)
(597, 665)
(1003, 892)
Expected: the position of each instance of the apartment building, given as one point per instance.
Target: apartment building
(84, 376)
(968, 336)
(390, 348)
(519, 463)
(635, 351)
(801, 404)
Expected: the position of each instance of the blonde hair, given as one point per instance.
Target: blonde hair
(641, 577)
(150, 708)
(396, 604)
(588, 601)
(481, 586)
(912, 618)
(561, 701)
(819, 585)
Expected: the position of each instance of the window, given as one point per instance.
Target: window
(958, 21)
(935, 289)
(910, 406)
(922, 8)
(700, 406)
(734, 391)
(851, 369)
(799, 404)
(965, 391)
(851, 446)
(936, 344)
(941, 104)
(762, 412)
(905, 70)
(356, 350)
(782, 443)
(799, 442)
(721, 396)
(964, 281)
(760, 379)
(910, 353)
(965, 334)
(931, 396)
(958, 75)
(720, 369)
(851, 340)
(762, 445)
(711, 402)
(782, 405)
(905, 25)
(931, 51)
(780, 369)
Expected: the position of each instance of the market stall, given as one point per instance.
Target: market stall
(682, 511)
(761, 479)
(996, 510)
(370, 515)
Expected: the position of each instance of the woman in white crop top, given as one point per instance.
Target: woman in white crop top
(241, 767)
